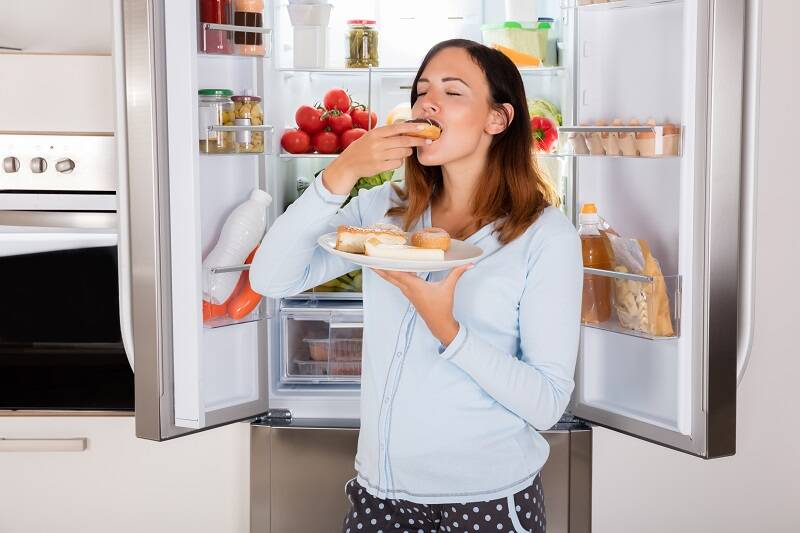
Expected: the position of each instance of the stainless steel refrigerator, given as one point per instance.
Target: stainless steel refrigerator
(685, 190)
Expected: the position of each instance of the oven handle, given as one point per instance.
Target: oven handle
(59, 219)
(121, 138)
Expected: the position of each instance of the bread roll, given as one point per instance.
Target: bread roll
(432, 130)
(434, 238)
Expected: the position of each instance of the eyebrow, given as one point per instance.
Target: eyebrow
(444, 79)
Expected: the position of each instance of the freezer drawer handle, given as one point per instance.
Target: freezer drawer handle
(78, 444)
(347, 324)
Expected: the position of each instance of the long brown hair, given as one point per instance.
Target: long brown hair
(512, 192)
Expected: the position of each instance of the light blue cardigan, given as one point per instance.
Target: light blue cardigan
(457, 424)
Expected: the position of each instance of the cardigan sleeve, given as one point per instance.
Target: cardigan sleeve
(536, 383)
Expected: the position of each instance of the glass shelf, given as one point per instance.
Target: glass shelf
(218, 39)
(588, 5)
(641, 306)
(411, 71)
(284, 155)
(232, 137)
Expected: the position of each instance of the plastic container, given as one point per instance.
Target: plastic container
(241, 233)
(361, 44)
(310, 28)
(247, 112)
(215, 12)
(520, 10)
(596, 304)
(249, 13)
(334, 349)
(512, 35)
(215, 108)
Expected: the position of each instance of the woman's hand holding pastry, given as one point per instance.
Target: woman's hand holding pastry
(432, 300)
(376, 151)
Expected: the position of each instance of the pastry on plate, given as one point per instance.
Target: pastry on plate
(351, 238)
(435, 238)
(376, 248)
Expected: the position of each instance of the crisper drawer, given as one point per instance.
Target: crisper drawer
(321, 344)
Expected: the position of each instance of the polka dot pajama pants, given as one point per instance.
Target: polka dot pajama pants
(522, 512)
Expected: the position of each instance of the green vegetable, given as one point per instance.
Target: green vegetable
(539, 107)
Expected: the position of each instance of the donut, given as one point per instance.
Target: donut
(431, 238)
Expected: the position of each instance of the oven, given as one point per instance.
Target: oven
(61, 344)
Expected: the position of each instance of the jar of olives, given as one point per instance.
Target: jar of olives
(247, 112)
(215, 108)
(361, 44)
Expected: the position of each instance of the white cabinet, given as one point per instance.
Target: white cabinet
(121, 483)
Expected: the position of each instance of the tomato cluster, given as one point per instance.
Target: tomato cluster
(329, 128)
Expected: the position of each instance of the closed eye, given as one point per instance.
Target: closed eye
(421, 94)
(454, 94)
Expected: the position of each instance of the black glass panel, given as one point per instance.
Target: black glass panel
(60, 340)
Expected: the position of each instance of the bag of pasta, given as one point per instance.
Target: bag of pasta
(640, 306)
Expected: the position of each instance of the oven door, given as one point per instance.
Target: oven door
(60, 340)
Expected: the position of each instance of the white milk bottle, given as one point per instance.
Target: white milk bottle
(241, 232)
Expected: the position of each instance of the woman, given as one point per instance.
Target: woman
(459, 369)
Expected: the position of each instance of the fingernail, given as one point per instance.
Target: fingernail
(470, 267)
(428, 141)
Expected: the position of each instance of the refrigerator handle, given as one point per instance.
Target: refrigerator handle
(747, 237)
(121, 137)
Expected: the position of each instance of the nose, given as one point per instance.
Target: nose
(430, 107)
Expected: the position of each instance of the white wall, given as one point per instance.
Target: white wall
(639, 487)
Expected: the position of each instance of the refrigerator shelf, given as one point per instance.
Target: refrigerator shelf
(326, 296)
(632, 304)
(587, 5)
(221, 36)
(284, 155)
(410, 71)
(222, 276)
(621, 141)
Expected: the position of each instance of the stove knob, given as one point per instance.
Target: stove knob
(65, 165)
(38, 165)
(10, 165)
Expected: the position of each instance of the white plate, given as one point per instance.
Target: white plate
(460, 253)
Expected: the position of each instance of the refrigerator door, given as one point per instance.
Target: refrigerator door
(683, 60)
(188, 377)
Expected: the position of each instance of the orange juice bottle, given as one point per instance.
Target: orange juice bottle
(596, 305)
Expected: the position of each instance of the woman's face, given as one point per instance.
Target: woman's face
(453, 91)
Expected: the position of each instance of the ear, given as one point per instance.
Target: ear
(499, 121)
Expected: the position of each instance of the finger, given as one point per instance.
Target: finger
(398, 153)
(455, 274)
(405, 141)
(390, 164)
(399, 128)
(396, 278)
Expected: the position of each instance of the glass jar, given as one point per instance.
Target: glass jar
(247, 112)
(215, 41)
(361, 44)
(249, 13)
(215, 108)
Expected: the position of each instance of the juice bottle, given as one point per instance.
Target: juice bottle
(596, 305)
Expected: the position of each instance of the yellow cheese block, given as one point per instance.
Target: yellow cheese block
(518, 58)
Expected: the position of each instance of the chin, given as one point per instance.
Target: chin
(435, 155)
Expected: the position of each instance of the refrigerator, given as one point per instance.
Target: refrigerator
(681, 62)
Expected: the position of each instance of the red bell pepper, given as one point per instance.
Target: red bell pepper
(545, 134)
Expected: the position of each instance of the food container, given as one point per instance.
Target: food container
(646, 141)
(627, 141)
(310, 29)
(334, 349)
(512, 35)
(361, 44)
(594, 141)
(249, 13)
(672, 139)
(247, 112)
(215, 108)
(215, 12)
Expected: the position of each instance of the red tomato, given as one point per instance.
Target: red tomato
(360, 119)
(337, 99)
(339, 122)
(309, 119)
(296, 141)
(351, 135)
(325, 142)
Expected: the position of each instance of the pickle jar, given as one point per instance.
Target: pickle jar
(361, 44)
(215, 108)
(247, 112)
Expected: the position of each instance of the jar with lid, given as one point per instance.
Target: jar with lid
(247, 112)
(361, 44)
(216, 12)
(249, 13)
(215, 108)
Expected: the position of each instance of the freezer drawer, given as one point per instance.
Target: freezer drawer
(298, 466)
(321, 344)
